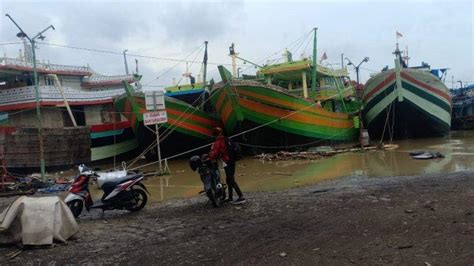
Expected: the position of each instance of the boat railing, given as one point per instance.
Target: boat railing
(21, 95)
(100, 78)
(43, 66)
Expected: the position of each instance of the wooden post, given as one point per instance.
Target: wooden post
(305, 85)
(61, 91)
(290, 86)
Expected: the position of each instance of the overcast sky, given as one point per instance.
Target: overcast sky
(437, 32)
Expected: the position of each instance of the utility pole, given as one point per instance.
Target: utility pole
(125, 61)
(366, 59)
(40, 36)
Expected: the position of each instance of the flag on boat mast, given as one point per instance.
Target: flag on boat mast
(399, 35)
(323, 57)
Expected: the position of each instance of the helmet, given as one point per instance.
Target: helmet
(83, 169)
(195, 162)
(216, 131)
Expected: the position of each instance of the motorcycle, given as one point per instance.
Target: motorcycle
(210, 177)
(123, 192)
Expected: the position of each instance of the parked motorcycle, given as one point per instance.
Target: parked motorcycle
(210, 177)
(123, 191)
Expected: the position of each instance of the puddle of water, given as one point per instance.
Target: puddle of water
(256, 175)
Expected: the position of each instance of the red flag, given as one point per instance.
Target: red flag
(399, 34)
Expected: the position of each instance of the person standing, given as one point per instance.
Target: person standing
(219, 150)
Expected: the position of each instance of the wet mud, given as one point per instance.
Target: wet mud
(424, 220)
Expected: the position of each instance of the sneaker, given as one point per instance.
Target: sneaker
(240, 200)
(228, 200)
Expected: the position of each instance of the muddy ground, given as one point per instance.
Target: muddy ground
(424, 220)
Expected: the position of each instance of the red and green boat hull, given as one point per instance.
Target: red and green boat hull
(273, 119)
(187, 128)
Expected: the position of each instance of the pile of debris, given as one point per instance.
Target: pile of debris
(15, 185)
(317, 153)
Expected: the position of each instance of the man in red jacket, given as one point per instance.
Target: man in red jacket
(219, 150)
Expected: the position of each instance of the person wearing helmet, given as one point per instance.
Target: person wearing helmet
(219, 151)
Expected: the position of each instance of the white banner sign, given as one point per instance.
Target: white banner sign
(154, 97)
(158, 117)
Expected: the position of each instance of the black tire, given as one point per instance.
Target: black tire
(212, 197)
(76, 207)
(222, 194)
(139, 199)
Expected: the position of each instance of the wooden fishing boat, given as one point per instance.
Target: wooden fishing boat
(277, 111)
(79, 123)
(406, 103)
(463, 109)
(188, 127)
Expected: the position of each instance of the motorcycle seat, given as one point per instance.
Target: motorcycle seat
(116, 181)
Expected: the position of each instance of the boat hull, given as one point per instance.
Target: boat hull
(267, 118)
(112, 139)
(463, 113)
(412, 104)
(188, 128)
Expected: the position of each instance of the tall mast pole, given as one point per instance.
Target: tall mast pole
(315, 63)
(205, 66)
(204, 61)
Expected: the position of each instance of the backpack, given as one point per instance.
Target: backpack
(234, 150)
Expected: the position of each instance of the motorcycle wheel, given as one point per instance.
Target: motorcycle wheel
(76, 207)
(213, 198)
(139, 199)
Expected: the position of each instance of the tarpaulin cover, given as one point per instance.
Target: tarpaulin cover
(37, 221)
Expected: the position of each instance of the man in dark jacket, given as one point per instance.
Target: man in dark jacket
(219, 150)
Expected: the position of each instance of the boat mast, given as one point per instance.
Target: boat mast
(205, 66)
(204, 72)
(315, 63)
(398, 78)
(234, 55)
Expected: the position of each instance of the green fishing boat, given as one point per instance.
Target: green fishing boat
(189, 124)
(277, 110)
(188, 127)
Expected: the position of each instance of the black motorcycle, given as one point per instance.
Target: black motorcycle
(210, 177)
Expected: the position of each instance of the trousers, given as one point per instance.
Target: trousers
(230, 180)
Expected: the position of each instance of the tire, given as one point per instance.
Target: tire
(76, 207)
(139, 200)
(222, 194)
(212, 197)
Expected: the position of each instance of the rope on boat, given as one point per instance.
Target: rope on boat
(279, 51)
(170, 130)
(179, 62)
(241, 133)
(390, 130)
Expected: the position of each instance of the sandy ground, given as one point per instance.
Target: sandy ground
(423, 220)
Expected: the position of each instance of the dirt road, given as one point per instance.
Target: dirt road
(423, 220)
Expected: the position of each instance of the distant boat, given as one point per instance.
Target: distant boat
(463, 109)
(188, 127)
(276, 110)
(406, 103)
(90, 131)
